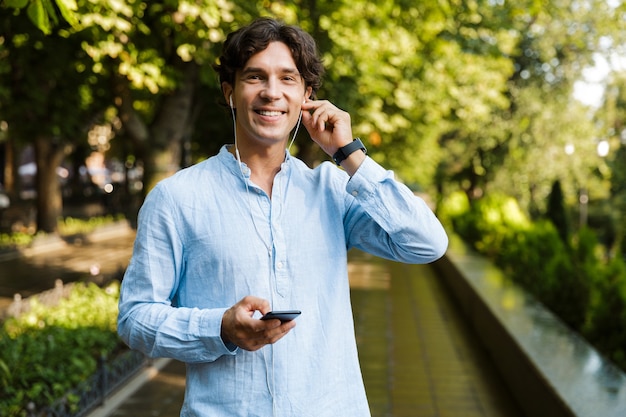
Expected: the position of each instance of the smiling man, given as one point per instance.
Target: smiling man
(253, 230)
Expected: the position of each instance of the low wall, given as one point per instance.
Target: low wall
(550, 369)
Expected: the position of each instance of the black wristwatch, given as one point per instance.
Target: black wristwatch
(345, 151)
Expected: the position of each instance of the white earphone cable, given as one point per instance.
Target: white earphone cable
(295, 133)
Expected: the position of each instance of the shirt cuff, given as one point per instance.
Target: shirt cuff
(210, 332)
(362, 183)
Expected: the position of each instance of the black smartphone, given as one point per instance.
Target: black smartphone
(286, 315)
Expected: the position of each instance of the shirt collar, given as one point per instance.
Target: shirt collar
(229, 160)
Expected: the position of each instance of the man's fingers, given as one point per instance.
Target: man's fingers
(250, 304)
(322, 114)
(270, 331)
(248, 333)
(273, 335)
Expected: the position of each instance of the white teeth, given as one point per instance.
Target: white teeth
(270, 113)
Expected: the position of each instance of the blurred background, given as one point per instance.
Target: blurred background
(509, 117)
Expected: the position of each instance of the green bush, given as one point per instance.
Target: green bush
(46, 352)
(486, 223)
(537, 259)
(72, 226)
(67, 226)
(606, 322)
(570, 277)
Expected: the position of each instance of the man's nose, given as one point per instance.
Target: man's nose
(271, 90)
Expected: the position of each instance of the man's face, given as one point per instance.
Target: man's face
(268, 95)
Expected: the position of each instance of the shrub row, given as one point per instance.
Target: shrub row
(67, 226)
(46, 352)
(573, 278)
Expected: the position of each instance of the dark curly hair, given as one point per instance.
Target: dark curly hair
(241, 44)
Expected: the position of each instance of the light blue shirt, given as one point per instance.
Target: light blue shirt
(205, 241)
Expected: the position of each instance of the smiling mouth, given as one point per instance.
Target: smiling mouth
(270, 112)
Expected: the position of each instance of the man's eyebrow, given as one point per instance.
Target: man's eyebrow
(255, 70)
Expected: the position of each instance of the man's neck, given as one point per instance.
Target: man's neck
(264, 164)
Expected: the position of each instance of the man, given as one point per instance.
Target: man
(253, 229)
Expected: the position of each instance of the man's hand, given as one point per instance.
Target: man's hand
(331, 128)
(240, 328)
(328, 126)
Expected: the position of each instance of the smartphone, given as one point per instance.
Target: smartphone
(286, 315)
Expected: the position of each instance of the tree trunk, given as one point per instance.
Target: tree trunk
(159, 146)
(164, 156)
(49, 156)
(10, 168)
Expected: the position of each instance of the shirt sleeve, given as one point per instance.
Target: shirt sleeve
(148, 319)
(385, 218)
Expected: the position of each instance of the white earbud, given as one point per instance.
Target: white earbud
(231, 101)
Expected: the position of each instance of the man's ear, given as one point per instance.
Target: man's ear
(227, 90)
(307, 93)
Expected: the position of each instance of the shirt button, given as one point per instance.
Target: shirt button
(279, 265)
(355, 193)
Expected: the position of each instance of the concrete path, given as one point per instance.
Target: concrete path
(104, 253)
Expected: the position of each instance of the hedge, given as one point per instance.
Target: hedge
(574, 278)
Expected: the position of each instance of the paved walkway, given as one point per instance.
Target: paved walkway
(104, 253)
(419, 358)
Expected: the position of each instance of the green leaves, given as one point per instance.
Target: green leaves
(44, 14)
(16, 4)
(68, 9)
(47, 351)
(448, 94)
(39, 13)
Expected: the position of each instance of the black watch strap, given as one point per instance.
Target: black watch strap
(345, 151)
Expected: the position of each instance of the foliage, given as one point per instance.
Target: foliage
(71, 225)
(50, 108)
(451, 95)
(15, 240)
(606, 323)
(572, 278)
(519, 150)
(48, 350)
(539, 260)
(487, 222)
(43, 14)
(67, 226)
(611, 117)
(411, 72)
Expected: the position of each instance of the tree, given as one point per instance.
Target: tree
(144, 58)
(156, 54)
(519, 148)
(611, 117)
(396, 67)
(557, 212)
(471, 95)
(49, 96)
